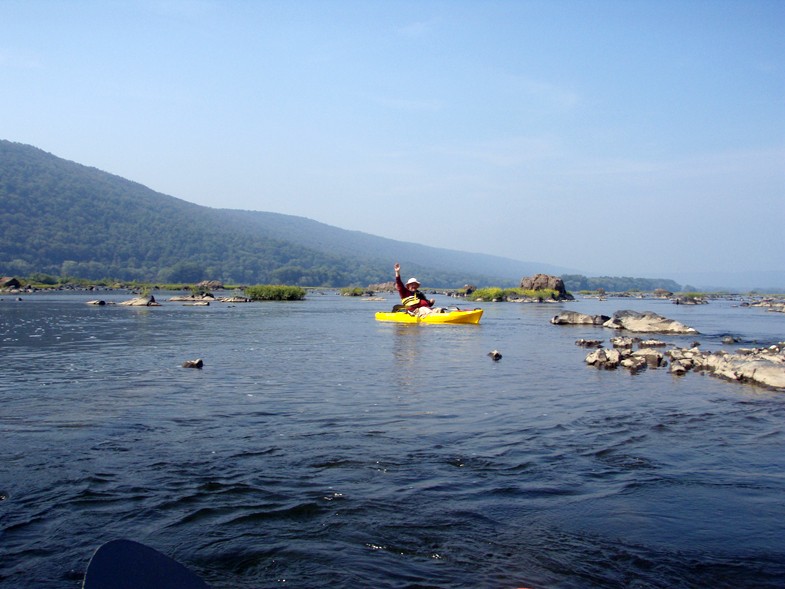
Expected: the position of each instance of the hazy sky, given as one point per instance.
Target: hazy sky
(636, 138)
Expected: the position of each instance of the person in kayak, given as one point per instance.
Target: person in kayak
(411, 298)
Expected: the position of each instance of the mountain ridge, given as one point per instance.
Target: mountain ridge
(65, 218)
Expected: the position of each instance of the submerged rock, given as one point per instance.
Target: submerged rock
(589, 343)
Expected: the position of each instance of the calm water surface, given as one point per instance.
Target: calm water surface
(319, 448)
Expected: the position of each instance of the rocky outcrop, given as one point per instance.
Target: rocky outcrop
(763, 366)
(382, 287)
(575, 318)
(689, 300)
(546, 282)
(211, 285)
(646, 322)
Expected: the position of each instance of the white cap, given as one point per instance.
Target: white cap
(412, 280)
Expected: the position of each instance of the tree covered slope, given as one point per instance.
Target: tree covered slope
(63, 218)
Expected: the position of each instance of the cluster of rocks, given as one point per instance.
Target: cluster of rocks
(776, 305)
(203, 300)
(762, 366)
(622, 342)
(207, 298)
(625, 357)
(765, 366)
(144, 301)
(646, 322)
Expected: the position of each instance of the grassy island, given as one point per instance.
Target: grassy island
(496, 293)
(275, 292)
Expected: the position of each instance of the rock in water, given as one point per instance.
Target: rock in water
(575, 318)
(646, 322)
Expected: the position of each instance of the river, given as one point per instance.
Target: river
(320, 448)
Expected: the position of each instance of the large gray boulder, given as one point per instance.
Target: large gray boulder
(546, 282)
(148, 301)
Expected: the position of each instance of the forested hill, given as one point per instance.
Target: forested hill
(66, 219)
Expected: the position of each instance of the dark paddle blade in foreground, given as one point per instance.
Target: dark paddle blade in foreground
(124, 564)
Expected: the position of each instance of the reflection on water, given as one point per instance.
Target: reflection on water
(407, 352)
(319, 447)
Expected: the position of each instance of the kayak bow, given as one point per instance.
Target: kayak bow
(124, 564)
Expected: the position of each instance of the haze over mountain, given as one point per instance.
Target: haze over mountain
(63, 218)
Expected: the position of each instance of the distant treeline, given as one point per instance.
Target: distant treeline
(577, 283)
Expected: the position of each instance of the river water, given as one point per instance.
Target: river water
(320, 448)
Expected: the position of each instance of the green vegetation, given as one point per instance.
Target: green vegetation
(353, 291)
(545, 293)
(693, 297)
(496, 293)
(492, 293)
(275, 292)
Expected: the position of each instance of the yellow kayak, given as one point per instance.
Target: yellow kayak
(471, 316)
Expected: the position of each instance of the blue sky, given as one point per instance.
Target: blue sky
(636, 138)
